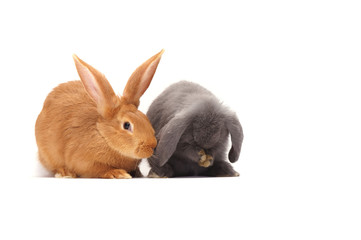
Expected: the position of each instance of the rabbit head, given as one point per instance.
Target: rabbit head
(120, 123)
(206, 124)
(207, 127)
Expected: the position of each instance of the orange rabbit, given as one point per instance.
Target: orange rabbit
(86, 130)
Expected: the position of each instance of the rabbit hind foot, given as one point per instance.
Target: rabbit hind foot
(64, 173)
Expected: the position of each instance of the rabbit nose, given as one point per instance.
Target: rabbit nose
(153, 143)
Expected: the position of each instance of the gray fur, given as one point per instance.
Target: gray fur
(187, 119)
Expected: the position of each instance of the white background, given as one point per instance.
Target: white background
(290, 69)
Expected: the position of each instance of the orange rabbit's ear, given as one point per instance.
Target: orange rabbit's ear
(140, 79)
(97, 86)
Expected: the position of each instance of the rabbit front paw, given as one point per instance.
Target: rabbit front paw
(152, 174)
(205, 160)
(165, 171)
(116, 173)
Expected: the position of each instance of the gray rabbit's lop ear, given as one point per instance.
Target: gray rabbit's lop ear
(169, 137)
(236, 131)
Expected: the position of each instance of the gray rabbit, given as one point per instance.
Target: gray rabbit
(192, 129)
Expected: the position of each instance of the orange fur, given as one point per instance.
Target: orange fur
(79, 131)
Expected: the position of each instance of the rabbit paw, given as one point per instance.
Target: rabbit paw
(64, 173)
(165, 171)
(117, 173)
(205, 160)
(154, 175)
(233, 174)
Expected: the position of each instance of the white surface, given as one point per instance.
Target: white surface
(291, 71)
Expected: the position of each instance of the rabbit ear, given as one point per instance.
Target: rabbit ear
(97, 86)
(236, 131)
(140, 79)
(169, 137)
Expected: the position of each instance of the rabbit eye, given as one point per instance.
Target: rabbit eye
(127, 126)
